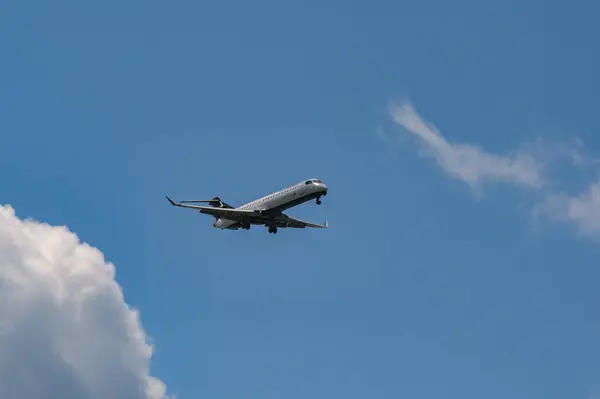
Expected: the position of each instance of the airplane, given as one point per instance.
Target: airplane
(266, 211)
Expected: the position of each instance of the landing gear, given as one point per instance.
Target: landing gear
(273, 230)
(246, 226)
(321, 194)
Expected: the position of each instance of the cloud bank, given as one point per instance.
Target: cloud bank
(65, 329)
(473, 165)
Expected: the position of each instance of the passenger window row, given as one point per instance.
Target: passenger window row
(274, 195)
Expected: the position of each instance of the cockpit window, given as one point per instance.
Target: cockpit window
(309, 182)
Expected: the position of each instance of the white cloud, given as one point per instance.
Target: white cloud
(466, 162)
(65, 329)
(583, 210)
(473, 165)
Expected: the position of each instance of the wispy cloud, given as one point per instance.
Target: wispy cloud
(528, 167)
(583, 209)
(466, 162)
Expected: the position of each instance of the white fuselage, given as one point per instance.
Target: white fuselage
(283, 199)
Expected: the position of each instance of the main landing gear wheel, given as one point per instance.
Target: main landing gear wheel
(246, 226)
(273, 230)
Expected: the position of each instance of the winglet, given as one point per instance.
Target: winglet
(171, 201)
(326, 224)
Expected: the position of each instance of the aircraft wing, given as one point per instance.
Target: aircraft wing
(227, 213)
(289, 221)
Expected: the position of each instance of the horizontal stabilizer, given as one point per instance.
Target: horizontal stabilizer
(205, 201)
(216, 202)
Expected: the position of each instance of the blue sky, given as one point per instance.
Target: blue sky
(423, 286)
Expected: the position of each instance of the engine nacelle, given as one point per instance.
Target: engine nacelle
(221, 223)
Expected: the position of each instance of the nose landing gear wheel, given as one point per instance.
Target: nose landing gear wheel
(318, 201)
